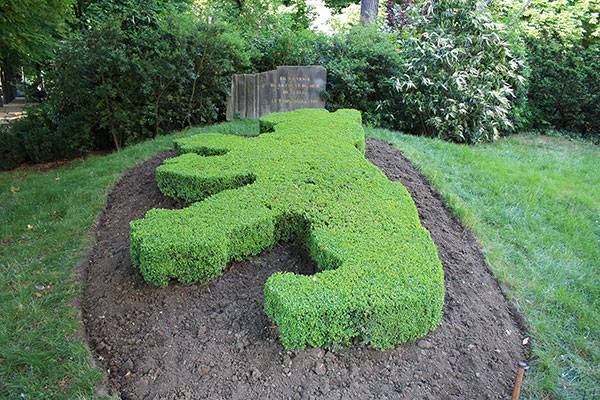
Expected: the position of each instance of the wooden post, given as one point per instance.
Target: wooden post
(523, 366)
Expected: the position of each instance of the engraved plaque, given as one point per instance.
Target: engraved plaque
(287, 88)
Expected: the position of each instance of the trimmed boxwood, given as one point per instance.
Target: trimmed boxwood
(379, 277)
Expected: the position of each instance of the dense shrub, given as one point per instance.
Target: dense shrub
(45, 136)
(282, 45)
(338, 5)
(131, 84)
(360, 67)
(120, 82)
(11, 149)
(565, 86)
(563, 51)
(380, 277)
(459, 74)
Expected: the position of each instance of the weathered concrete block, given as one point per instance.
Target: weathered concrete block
(287, 88)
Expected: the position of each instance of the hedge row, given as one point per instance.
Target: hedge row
(380, 278)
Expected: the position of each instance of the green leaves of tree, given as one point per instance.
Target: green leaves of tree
(30, 28)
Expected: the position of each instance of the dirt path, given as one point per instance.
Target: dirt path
(12, 111)
(214, 341)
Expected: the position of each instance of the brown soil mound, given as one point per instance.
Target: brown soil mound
(214, 341)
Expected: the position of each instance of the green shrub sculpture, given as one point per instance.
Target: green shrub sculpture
(379, 277)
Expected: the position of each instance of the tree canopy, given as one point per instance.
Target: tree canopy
(30, 28)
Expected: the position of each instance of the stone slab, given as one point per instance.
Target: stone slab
(286, 88)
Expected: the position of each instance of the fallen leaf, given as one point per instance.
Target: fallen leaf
(37, 294)
(14, 189)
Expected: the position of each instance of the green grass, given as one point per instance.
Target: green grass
(45, 220)
(534, 203)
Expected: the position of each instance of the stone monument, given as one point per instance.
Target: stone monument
(285, 89)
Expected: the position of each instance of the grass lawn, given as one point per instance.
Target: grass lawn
(533, 201)
(534, 204)
(45, 219)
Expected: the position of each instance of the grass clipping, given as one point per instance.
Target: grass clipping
(379, 277)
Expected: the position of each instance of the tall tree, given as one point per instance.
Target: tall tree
(29, 29)
(368, 11)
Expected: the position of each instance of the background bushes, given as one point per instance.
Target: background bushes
(128, 84)
(11, 148)
(360, 67)
(459, 74)
(562, 48)
(565, 86)
(457, 69)
(116, 83)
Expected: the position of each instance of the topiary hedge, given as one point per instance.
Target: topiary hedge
(380, 278)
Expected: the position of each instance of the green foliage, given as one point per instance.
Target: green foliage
(282, 45)
(565, 86)
(11, 148)
(459, 74)
(117, 83)
(31, 28)
(166, 77)
(567, 21)
(360, 67)
(42, 138)
(274, 35)
(131, 13)
(562, 40)
(380, 277)
(111, 85)
(338, 5)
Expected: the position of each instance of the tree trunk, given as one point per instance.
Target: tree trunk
(8, 85)
(368, 11)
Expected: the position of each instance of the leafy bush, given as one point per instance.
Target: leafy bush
(338, 5)
(459, 74)
(562, 46)
(11, 149)
(131, 84)
(565, 86)
(380, 277)
(120, 82)
(282, 45)
(360, 67)
(44, 137)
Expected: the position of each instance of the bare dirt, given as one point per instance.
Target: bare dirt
(214, 341)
